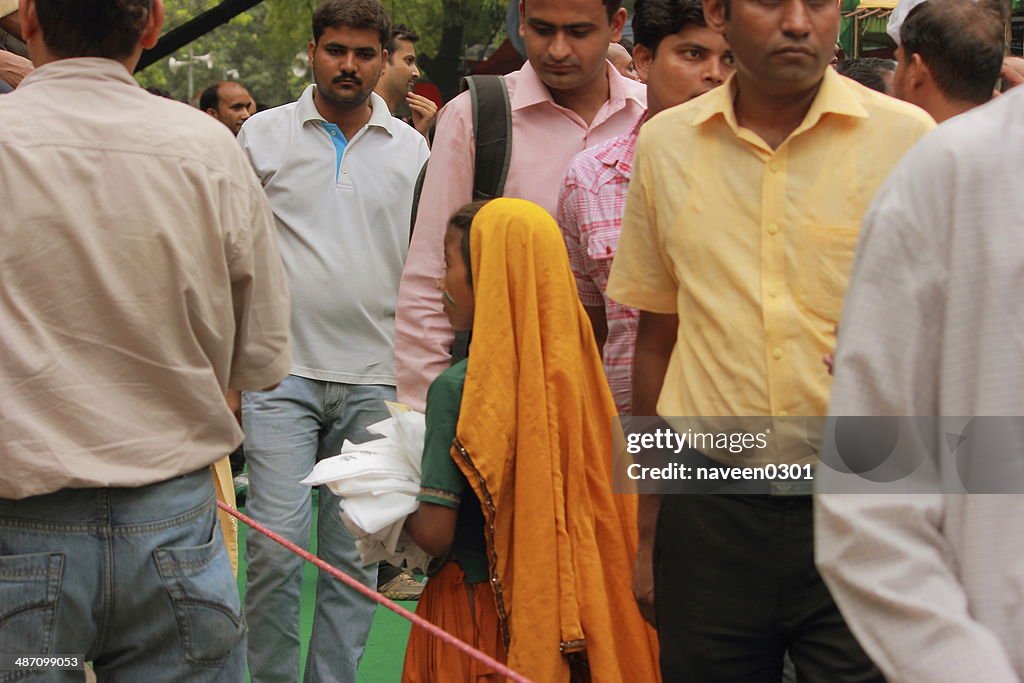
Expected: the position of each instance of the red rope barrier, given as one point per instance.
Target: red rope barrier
(378, 598)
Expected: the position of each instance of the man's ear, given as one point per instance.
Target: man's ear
(213, 112)
(522, 18)
(642, 59)
(28, 19)
(155, 22)
(618, 23)
(311, 51)
(715, 15)
(918, 73)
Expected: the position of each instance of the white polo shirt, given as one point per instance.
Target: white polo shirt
(343, 232)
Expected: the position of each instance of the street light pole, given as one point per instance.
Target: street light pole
(191, 83)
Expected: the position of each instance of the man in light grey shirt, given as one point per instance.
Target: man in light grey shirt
(932, 584)
(339, 171)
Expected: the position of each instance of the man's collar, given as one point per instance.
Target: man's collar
(619, 152)
(379, 114)
(530, 89)
(81, 67)
(834, 96)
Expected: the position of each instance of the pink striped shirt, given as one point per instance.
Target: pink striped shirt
(590, 213)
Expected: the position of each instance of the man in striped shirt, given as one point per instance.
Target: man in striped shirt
(679, 58)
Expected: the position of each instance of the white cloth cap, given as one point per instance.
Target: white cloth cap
(898, 16)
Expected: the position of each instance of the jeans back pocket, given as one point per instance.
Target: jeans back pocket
(202, 588)
(29, 594)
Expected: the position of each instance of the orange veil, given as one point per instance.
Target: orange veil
(534, 440)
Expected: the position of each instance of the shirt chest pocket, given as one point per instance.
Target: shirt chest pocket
(824, 261)
(602, 243)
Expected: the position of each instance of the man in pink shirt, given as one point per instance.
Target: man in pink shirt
(565, 99)
(679, 58)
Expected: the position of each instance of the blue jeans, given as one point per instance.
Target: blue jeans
(287, 431)
(137, 580)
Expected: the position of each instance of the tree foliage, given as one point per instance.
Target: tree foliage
(262, 43)
(238, 52)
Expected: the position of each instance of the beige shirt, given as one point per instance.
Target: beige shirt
(139, 279)
(932, 584)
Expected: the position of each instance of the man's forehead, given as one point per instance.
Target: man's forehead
(565, 13)
(234, 91)
(694, 35)
(351, 38)
(404, 47)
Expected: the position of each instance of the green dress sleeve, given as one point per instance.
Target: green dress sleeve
(441, 481)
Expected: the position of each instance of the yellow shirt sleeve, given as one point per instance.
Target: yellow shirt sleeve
(641, 277)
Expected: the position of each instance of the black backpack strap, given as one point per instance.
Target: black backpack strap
(417, 191)
(492, 127)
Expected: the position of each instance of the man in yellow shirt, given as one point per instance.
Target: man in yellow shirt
(737, 243)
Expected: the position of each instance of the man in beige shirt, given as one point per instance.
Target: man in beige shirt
(140, 280)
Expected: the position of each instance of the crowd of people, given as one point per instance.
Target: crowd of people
(686, 224)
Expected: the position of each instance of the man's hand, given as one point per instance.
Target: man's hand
(829, 358)
(424, 111)
(1012, 73)
(643, 566)
(643, 583)
(234, 399)
(13, 68)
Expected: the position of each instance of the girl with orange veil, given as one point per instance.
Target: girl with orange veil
(517, 482)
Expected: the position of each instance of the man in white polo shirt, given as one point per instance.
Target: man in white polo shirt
(339, 171)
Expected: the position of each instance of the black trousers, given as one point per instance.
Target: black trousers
(736, 588)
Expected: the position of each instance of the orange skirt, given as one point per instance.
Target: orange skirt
(468, 612)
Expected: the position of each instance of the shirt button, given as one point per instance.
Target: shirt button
(774, 166)
(777, 353)
(334, 132)
(773, 229)
(773, 292)
(344, 171)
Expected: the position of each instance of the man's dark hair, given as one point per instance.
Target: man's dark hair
(462, 220)
(960, 42)
(92, 28)
(361, 14)
(868, 71)
(612, 6)
(400, 32)
(160, 92)
(210, 99)
(655, 20)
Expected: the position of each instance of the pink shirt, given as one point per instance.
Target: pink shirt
(590, 215)
(545, 138)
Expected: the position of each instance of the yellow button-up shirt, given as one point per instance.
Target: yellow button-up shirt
(752, 247)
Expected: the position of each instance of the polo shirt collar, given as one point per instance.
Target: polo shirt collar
(834, 96)
(530, 90)
(379, 114)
